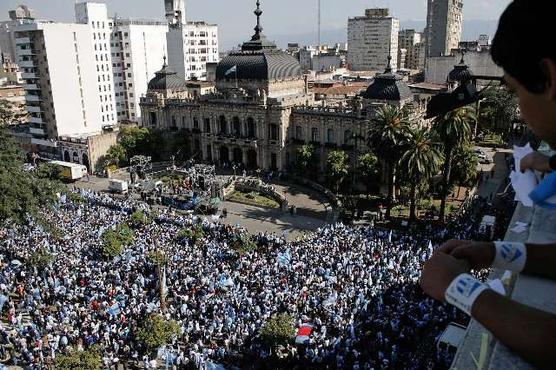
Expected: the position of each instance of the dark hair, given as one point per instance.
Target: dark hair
(523, 39)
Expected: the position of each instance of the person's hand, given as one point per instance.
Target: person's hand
(535, 161)
(478, 255)
(439, 271)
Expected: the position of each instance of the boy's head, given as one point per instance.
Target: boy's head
(524, 48)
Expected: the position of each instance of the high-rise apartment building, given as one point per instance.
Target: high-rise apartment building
(372, 39)
(62, 83)
(138, 49)
(8, 48)
(413, 43)
(95, 15)
(444, 26)
(190, 47)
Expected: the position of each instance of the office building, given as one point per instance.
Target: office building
(371, 40)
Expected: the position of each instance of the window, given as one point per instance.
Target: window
(315, 134)
(347, 137)
(251, 127)
(237, 127)
(330, 136)
(298, 132)
(207, 125)
(273, 132)
(223, 125)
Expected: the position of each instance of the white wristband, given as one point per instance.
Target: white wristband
(463, 291)
(510, 256)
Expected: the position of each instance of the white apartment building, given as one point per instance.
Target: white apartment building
(191, 47)
(138, 49)
(57, 62)
(371, 39)
(95, 15)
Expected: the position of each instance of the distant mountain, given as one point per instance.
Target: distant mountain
(471, 31)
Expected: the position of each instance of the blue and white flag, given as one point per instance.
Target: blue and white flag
(114, 310)
(390, 237)
(231, 70)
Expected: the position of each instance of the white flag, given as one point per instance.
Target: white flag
(231, 70)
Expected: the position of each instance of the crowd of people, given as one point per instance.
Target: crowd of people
(356, 286)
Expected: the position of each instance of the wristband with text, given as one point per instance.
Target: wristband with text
(510, 256)
(463, 291)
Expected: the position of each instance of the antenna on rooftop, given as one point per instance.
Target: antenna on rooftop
(319, 25)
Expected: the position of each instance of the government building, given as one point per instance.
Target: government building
(260, 110)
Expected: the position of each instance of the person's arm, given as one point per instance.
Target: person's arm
(537, 162)
(540, 260)
(529, 332)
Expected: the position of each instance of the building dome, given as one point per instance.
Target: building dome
(167, 79)
(269, 64)
(388, 86)
(460, 73)
(259, 59)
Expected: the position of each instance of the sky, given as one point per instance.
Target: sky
(281, 18)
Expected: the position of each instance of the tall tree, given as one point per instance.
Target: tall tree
(368, 168)
(419, 162)
(453, 129)
(22, 193)
(305, 159)
(464, 169)
(338, 168)
(389, 129)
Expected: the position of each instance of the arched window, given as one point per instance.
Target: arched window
(330, 137)
(236, 127)
(347, 137)
(315, 134)
(299, 132)
(223, 126)
(251, 131)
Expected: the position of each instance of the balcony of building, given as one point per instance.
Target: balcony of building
(26, 64)
(33, 109)
(31, 87)
(44, 142)
(29, 76)
(32, 98)
(25, 52)
(36, 120)
(22, 41)
(37, 131)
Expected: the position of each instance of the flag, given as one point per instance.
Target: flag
(231, 70)
(430, 247)
(390, 237)
(303, 334)
(114, 310)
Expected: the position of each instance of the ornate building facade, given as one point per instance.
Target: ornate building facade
(261, 110)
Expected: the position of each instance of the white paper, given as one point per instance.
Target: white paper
(497, 286)
(523, 183)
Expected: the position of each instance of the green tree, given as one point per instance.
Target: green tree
(194, 234)
(453, 129)
(388, 131)
(89, 359)
(156, 331)
(116, 155)
(138, 219)
(21, 192)
(306, 159)
(133, 139)
(420, 161)
(338, 168)
(498, 109)
(111, 244)
(278, 330)
(40, 259)
(464, 169)
(368, 168)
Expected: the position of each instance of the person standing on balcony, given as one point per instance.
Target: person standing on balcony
(528, 58)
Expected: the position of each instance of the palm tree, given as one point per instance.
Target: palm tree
(419, 162)
(389, 129)
(453, 129)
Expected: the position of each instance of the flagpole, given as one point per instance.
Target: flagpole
(235, 72)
